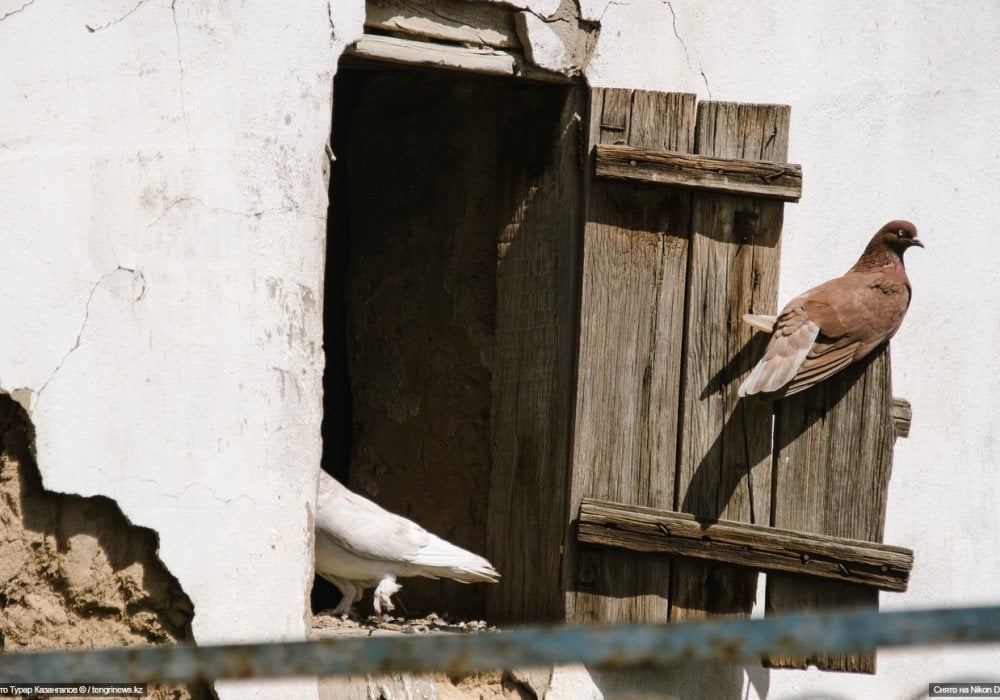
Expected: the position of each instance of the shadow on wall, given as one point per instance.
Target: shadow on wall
(74, 573)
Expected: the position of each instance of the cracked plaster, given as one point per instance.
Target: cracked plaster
(558, 40)
(180, 71)
(138, 285)
(116, 21)
(169, 217)
(19, 9)
(687, 54)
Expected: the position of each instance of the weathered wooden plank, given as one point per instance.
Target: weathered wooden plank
(833, 455)
(902, 416)
(532, 353)
(745, 177)
(754, 546)
(611, 112)
(725, 445)
(488, 24)
(393, 49)
(629, 357)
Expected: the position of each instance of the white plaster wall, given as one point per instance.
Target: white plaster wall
(163, 195)
(894, 115)
(163, 200)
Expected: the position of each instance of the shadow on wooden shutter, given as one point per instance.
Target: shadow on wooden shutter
(677, 247)
(532, 361)
(832, 457)
(725, 454)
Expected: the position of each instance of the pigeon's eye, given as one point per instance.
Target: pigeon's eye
(900, 233)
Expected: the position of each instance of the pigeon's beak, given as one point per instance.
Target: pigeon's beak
(916, 241)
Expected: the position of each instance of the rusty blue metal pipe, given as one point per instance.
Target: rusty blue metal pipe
(730, 640)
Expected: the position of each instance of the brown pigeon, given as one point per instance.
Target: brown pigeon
(827, 328)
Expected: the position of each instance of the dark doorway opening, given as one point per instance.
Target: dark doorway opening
(432, 177)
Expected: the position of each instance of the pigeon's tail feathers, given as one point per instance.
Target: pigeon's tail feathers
(762, 322)
(767, 377)
(441, 559)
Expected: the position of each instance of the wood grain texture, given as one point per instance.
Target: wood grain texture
(537, 266)
(629, 358)
(902, 416)
(725, 444)
(484, 60)
(833, 456)
(754, 546)
(744, 177)
(445, 20)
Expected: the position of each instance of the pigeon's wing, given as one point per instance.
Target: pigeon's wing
(794, 334)
(364, 528)
(834, 346)
(441, 558)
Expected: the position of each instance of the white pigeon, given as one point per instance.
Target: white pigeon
(360, 544)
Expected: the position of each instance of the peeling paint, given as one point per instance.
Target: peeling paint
(23, 396)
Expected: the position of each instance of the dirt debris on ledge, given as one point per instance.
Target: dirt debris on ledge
(74, 573)
(523, 684)
(326, 624)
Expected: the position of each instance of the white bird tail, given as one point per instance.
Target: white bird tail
(443, 559)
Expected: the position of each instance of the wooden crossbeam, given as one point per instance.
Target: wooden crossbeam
(746, 177)
(768, 549)
(485, 60)
(454, 21)
(426, 53)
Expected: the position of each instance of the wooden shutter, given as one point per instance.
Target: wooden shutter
(635, 253)
(681, 238)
